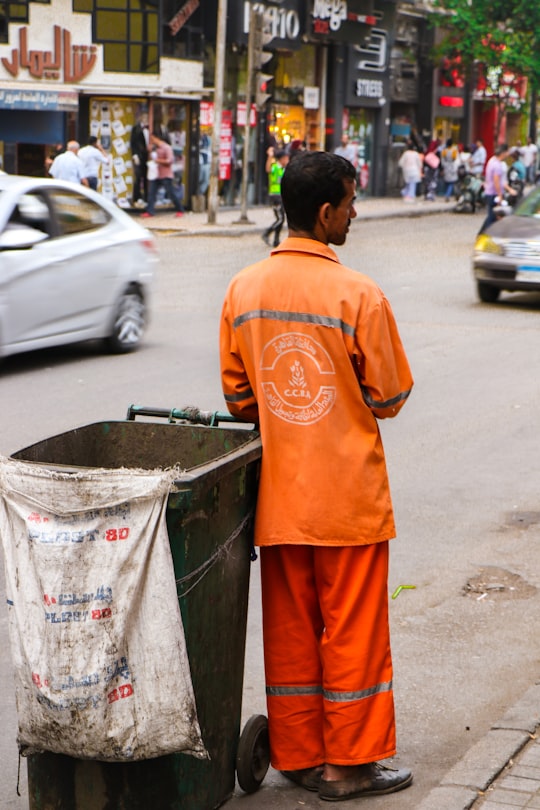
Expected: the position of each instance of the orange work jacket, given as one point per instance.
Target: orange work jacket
(310, 351)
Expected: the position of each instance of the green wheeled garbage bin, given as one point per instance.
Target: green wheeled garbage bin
(209, 520)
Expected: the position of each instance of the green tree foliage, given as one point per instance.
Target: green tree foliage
(495, 39)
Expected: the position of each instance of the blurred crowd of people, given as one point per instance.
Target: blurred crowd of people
(439, 166)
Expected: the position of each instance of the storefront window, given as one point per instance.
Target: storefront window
(294, 71)
(360, 131)
(128, 31)
(171, 119)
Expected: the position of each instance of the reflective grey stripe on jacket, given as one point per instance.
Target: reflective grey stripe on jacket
(294, 317)
(319, 320)
(334, 697)
(248, 394)
(389, 403)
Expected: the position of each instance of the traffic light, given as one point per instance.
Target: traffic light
(260, 40)
(261, 89)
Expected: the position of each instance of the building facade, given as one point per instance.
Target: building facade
(74, 68)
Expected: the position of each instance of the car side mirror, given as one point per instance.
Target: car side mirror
(20, 237)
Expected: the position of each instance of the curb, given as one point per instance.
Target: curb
(467, 781)
(237, 228)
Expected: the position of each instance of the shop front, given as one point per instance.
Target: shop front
(54, 87)
(33, 123)
(114, 120)
(357, 38)
(294, 109)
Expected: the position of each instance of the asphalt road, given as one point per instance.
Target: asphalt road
(463, 466)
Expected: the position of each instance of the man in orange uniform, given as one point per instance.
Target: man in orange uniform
(311, 353)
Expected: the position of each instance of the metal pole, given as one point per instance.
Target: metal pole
(249, 87)
(219, 75)
(323, 82)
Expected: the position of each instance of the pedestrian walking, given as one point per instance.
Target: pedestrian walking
(93, 155)
(275, 166)
(310, 353)
(495, 183)
(163, 156)
(449, 167)
(68, 165)
(346, 150)
(529, 154)
(410, 164)
(477, 160)
(431, 174)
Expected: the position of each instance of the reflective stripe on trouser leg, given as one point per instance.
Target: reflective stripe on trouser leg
(292, 628)
(355, 650)
(348, 651)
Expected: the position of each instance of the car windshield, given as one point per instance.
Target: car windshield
(530, 206)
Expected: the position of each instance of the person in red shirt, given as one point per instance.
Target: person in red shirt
(311, 354)
(162, 154)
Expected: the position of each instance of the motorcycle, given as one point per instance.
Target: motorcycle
(511, 197)
(517, 185)
(469, 191)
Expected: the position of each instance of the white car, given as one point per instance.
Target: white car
(73, 267)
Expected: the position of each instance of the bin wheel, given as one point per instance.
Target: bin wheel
(253, 756)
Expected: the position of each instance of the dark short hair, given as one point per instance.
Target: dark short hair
(500, 148)
(311, 180)
(92, 140)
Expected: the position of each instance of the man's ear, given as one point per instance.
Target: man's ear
(322, 221)
(324, 214)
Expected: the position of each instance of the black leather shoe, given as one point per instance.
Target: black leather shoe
(308, 778)
(372, 779)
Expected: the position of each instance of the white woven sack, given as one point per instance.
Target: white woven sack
(101, 667)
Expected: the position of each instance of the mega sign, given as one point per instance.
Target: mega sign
(341, 21)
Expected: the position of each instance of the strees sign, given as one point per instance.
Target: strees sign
(63, 61)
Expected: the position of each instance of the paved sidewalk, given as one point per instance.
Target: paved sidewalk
(502, 771)
(229, 221)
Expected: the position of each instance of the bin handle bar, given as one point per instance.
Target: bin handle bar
(188, 413)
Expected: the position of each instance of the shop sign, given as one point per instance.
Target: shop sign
(225, 146)
(369, 88)
(340, 20)
(182, 16)
(368, 74)
(38, 100)
(241, 114)
(311, 98)
(279, 22)
(64, 61)
(450, 102)
(206, 114)
(283, 21)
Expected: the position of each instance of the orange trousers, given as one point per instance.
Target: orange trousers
(327, 655)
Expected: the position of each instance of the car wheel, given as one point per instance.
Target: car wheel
(487, 293)
(129, 323)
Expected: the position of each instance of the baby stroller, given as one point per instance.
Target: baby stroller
(469, 190)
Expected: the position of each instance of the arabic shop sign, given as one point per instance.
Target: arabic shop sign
(38, 100)
(64, 61)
